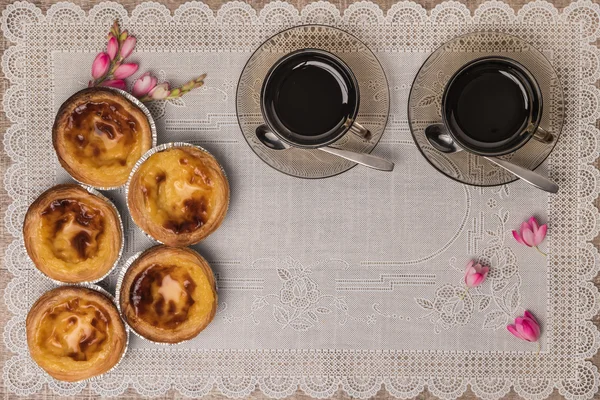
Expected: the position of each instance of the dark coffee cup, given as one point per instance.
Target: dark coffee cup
(493, 106)
(310, 98)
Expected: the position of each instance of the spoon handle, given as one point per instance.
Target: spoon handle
(529, 176)
(361, 158)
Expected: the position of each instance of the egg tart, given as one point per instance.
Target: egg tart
(99, 135)
(179, 195)
(75, 333)
(72, 235)
(168, 294)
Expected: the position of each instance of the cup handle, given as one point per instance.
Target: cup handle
(360, 131)
(543, 136)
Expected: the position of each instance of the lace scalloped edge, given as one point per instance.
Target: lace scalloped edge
(318, 387)
(277, 13)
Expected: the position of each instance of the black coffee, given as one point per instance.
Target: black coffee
(309, 97)
(489, 105)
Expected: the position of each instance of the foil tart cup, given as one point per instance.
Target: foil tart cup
(158, 149)
(127, 330)
(120, 278)
(96, 193)
(151, 122)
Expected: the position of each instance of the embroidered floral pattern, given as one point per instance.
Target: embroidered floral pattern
(454, 305)
(299, 303)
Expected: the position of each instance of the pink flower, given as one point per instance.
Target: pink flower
(525, 327)
(112, 47)
(100, 65)
(143, 85)
(116, 83)
(475, 274)
(127, 46)
(160, 91)
(531, 233)
(125, 70)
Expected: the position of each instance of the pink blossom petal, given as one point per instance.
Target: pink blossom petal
(484, 271)
(474, 280)
(116, 83)
(128, 46)
(517, 237)
(540, 235)
(469, 281)
(533, 224)
(513, 330)
(525, 328)
(160, 92)
(143, 85)
(529, 315)
(470, 270)
(470, 264)
(125, 70)
(100, 65)
(528, 329)
(112, 47)
(528, 236)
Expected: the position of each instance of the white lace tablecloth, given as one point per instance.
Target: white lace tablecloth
(351, 281)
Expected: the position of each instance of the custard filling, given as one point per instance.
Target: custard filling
(72, 230)
(179, 190)
(166, 295)
(75, 328)
(103, 136)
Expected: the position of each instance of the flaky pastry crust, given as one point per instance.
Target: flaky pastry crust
(72, 235)
(99, 135)
(178, 196)
(168, 294)
(75, 333)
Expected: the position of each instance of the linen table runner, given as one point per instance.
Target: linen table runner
(353, 281)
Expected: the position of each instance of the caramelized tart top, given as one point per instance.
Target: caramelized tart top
(72, 235)
(168, 294)
(75, 333)
(178, 195)
(99, 135)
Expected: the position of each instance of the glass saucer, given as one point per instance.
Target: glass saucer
(374, 99)
(424, 105)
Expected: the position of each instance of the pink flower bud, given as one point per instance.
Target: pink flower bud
(125, 70)
(525, 327)
(531, 234)
(112, 47)
(143, 85)
(160, 92)
(475, 274)
(116, 83)
(128, 46)
(100, 65)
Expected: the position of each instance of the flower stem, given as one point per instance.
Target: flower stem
(541, 252)
(464, 293)
(539, 348)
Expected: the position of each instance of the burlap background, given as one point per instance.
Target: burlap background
(6, 238)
